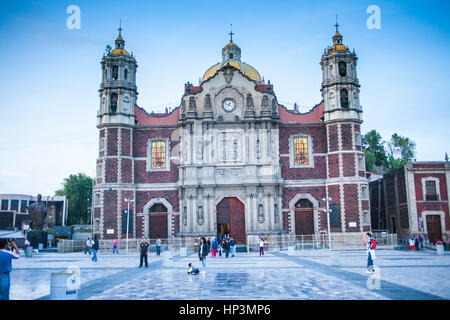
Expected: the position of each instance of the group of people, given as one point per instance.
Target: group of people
(416, 242)
(92, 246)
(225, 245)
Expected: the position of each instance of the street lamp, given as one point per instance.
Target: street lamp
(128, 201)
(328, 211)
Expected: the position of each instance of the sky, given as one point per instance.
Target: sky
(50, 74)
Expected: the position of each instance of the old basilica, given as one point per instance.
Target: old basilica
(230, 158)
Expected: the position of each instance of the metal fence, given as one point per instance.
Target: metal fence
(344, 241)
(277, 242)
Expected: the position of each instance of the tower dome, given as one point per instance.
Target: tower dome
(231, 56)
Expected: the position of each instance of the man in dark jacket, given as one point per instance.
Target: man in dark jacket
(95, 247)
(226, 247)
(144, 248)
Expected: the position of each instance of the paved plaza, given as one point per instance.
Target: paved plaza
(303, 275)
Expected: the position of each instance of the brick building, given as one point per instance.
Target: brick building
(413, 200)
(230, 158)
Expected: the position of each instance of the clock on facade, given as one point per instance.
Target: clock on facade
(228, 105)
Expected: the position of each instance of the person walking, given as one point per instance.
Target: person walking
(368, 240)
(209, 244)
(411, 243)
(416, 243)
(88, 246)
(220, 249)
(6, 267)
(214, 245)
(261, 246)
(95, 247)
(203, 252)
(421, 241)
(144, 248)
(226, 247)
(233, 247)
(158, 247)
(116, 246)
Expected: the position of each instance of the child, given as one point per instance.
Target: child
(192, 269)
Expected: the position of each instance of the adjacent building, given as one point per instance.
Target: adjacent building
(413, 199)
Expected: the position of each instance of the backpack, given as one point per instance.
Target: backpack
(373, 244)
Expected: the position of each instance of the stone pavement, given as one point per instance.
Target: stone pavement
(277, 275)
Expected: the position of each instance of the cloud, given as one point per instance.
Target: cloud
(12, 174)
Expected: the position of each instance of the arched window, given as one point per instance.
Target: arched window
(113, 103)
(115, 73)
(342, 69)
(344, 98)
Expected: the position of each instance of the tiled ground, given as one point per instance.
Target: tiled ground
(277, 275)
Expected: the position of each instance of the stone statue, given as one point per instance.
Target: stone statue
(37, 212)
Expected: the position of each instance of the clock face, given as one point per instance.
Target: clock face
(228, 105)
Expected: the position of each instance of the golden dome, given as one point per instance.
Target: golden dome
(246, 69)
(337, 47)
(119, 51)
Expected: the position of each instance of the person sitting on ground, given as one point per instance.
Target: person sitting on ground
(192, 269)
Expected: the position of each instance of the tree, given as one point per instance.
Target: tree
(405, 146)
(370, 160)
(373, 142)
(78, 191)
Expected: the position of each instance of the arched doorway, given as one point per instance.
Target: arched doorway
(158, 222)
(231, 219)
(304, 217)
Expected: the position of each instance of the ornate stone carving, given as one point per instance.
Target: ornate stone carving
(265, 111)
(274, 106)
(228, 75)
(207, 102)
(250, 104)
(192, 105)
(260, 213)
(200, 215)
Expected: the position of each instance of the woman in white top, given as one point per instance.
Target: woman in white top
(261, 246)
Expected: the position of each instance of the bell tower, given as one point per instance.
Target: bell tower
(340, 85)
(346, 183)
(116, 122)
(118, 91)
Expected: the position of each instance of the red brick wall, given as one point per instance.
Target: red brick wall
(333, 165)
(110, 213)
(442, 185)
(333, 138)
(317, 172)
(125, 147)
(348, 163)
(111, 170)
(347, 136)
(286, 221)
(127, 171)
(351, 207)
(141, 175)
(112, 142)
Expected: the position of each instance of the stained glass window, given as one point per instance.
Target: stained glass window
(300, 151)
(158, 155)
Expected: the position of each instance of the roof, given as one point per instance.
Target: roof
(164, 119)
(313, 116)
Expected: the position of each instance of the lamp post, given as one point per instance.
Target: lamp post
(128, 201)
(328, 211)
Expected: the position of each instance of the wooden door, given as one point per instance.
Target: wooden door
(231, 211)
(434, 228)
(304, 222)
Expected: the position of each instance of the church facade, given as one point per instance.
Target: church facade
(230, 158)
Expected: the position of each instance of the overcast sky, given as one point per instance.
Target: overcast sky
(50, 74)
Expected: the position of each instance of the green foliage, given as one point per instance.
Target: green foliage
(373, 142)
(407, 147)
(78, 191)
(370, 160)
(376, 154)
